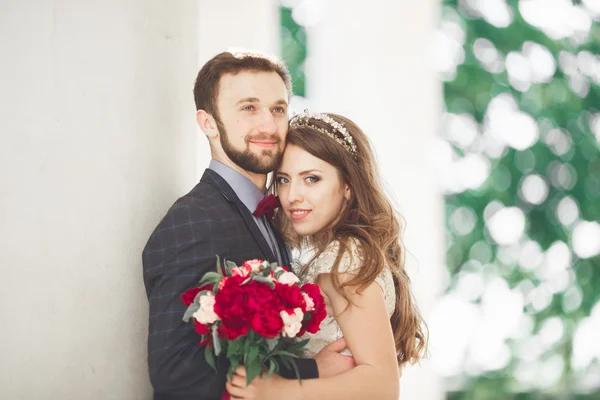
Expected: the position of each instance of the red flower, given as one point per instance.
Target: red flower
(189, 296)
(200, 328)
(319, 313)
(267, 322)
(230, 306)
(290, 297)
(258, 296)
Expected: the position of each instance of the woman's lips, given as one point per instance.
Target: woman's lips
(299, 214)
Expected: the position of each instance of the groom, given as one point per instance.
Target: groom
(241, 101)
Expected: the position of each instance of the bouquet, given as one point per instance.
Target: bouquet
(251, 315)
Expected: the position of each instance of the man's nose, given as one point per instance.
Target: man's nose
(267, 123)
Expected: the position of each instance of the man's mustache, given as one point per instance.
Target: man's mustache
(270, 138)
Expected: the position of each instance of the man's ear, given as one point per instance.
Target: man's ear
(207, 123)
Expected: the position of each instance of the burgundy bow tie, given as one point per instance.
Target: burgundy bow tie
(267, 206)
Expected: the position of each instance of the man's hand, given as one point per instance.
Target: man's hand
(330, 362)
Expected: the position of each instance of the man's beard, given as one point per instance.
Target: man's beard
(247, 160)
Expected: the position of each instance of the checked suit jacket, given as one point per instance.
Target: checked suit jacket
(210, 220)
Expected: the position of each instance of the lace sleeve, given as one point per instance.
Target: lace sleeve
(349, 263)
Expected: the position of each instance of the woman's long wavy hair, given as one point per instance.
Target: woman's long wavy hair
(369, 218)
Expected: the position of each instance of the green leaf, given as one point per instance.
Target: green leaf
(192, 308)
(229, 265)
(264, 280)
(210, 278)
(293, 362)
(253, 370)
(297, 346)
(216, 340)
(235, 346)
(281, 353)
(286, 362)
(252, 354)
(272, 343)
(273, 367)
(279, 273)
(235, 362)
(210, 357)
(219, 269)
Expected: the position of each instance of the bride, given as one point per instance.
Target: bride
(345, 236)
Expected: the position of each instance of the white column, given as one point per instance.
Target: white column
(98, 139)
(224, 24)
(369, 61)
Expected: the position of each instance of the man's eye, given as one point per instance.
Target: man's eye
(279, 110)
(248, 108)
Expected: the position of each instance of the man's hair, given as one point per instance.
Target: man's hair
(206, 88)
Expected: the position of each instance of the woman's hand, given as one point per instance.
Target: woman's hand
(261, 388)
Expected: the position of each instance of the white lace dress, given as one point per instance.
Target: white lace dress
(349, 263)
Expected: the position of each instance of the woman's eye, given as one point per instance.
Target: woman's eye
(282, 180)
(312, 179)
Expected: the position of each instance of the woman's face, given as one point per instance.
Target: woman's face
(310, 190)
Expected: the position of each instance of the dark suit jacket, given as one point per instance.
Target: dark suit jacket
(209, 220)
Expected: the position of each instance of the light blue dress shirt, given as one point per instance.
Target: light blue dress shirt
(250, 195)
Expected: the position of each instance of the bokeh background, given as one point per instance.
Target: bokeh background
(485, 116)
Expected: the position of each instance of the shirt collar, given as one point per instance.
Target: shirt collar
(243, 187)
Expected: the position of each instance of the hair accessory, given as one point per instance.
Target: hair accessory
(346, 140)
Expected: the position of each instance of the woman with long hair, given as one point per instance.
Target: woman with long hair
(345, 236)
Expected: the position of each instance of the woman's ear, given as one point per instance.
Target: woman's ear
(207, 123)
(347, 192)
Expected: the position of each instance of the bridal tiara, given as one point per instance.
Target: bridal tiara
(346, 140)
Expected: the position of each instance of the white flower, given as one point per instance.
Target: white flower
(255, 264)
(206, 313)
(287, 278)
(292, 323)
(310, 304)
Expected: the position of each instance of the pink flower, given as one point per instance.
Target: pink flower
(310, 304)
(222, 282)
(254, 265)
(242, 271)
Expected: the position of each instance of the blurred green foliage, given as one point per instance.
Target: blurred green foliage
(555, 102)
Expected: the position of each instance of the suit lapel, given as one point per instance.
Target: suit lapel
(283, 249)
(216, 180)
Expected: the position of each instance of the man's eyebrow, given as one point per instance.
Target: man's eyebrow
(257, 100)
(248, 100)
